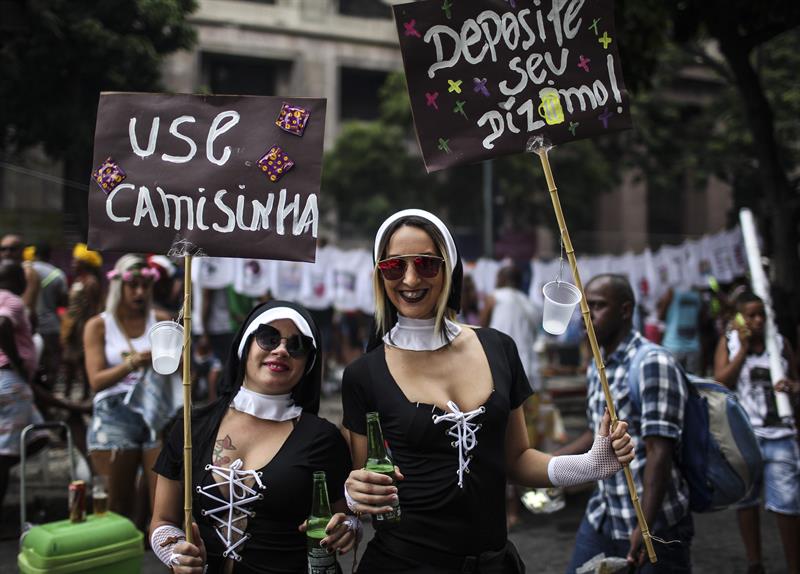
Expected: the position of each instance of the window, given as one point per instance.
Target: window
(358, 93)
(365, 8)
(241, 75)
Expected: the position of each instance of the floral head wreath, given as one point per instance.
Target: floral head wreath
(130, 274)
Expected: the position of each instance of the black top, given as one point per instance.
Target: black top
(276, 546)
(437, 515)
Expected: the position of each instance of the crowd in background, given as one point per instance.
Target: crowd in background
(75, 313)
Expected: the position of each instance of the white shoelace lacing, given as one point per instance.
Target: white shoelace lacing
(239, 495)
(465, 433)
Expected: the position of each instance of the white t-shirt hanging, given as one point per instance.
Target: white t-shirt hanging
(345, 279)
(287, 278)
(213, 272)
(722, 258)
(364, 293)
(251, 277)
(316, 290)
(738, 256)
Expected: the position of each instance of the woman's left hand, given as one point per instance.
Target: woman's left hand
(340, 537)
(621, 441)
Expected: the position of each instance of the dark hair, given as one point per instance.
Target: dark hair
(747, 297)
(620, 286)
(509, 276)
(43, 251)
(306, 393)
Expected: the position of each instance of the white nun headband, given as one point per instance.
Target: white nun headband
(421, 213)
(274, 314)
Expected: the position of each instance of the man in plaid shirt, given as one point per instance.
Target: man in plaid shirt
(609, 524)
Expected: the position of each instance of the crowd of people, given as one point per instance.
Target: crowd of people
(448, 369)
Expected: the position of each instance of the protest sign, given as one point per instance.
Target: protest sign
(484, 76)
(227, 176)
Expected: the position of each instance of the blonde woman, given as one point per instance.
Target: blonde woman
(450, 402)
(117, 355)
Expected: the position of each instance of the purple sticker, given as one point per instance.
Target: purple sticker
(275, 163)
(109, 175)
(292, 119)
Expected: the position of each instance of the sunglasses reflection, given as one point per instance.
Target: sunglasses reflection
(394, 268)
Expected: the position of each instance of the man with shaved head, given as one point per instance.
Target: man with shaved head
(655, 422)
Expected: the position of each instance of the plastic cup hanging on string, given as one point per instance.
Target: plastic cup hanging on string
(560, 300)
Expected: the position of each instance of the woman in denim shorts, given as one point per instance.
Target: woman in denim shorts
(742, 363)
(117, 355)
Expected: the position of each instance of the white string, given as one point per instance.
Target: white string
(239, 495)
(465, 433)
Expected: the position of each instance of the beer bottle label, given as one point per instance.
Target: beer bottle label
(320, 562)
(391, 516)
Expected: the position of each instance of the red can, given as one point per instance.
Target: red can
(77, 501)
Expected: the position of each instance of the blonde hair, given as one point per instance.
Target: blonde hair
(383, 307)
(125, 263)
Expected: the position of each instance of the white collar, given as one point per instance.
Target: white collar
(266, 407)
(420, 334)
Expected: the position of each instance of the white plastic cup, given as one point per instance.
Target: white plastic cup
(560, 299)
(166, 346)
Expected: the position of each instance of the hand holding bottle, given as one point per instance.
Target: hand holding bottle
(373, 489)
(339, 535)
(373, 492)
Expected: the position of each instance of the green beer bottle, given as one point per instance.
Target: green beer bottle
(319, 560)
(378, 460)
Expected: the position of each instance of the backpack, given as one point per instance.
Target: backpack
(719, 457)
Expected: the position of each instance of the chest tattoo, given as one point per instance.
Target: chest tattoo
(220, 446)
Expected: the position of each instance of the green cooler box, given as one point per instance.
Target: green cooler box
(108, 544)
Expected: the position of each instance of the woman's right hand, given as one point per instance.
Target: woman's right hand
(139, 360)
(374, 493)
(190, 558)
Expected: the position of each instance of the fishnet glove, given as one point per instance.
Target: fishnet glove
(163, 540)
(599, 463)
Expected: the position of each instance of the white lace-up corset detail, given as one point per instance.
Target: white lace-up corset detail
(233, 510)
(465, 433)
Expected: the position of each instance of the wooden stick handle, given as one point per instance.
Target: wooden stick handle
(598, 359)
(187, 397)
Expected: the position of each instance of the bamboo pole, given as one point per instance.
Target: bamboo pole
(187, 397)
(541, 150)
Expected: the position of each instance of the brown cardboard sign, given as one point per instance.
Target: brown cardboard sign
(229, 176)
(486, 75)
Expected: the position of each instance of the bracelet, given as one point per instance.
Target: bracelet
(354, 524)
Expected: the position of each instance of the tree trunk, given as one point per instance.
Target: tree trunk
(779, 197)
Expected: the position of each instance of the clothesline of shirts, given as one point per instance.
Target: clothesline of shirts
(342, 278)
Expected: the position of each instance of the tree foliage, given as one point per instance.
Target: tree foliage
(58, 55)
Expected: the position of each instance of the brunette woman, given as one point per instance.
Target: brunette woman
(254, 452)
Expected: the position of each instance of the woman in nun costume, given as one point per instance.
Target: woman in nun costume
(255, 450)
(450, 403)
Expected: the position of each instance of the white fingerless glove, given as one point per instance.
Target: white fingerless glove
(597, 464)
(163, 540)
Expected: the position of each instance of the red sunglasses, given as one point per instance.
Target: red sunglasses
(426, 266)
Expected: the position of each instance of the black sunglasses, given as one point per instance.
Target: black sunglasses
(269, 339)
